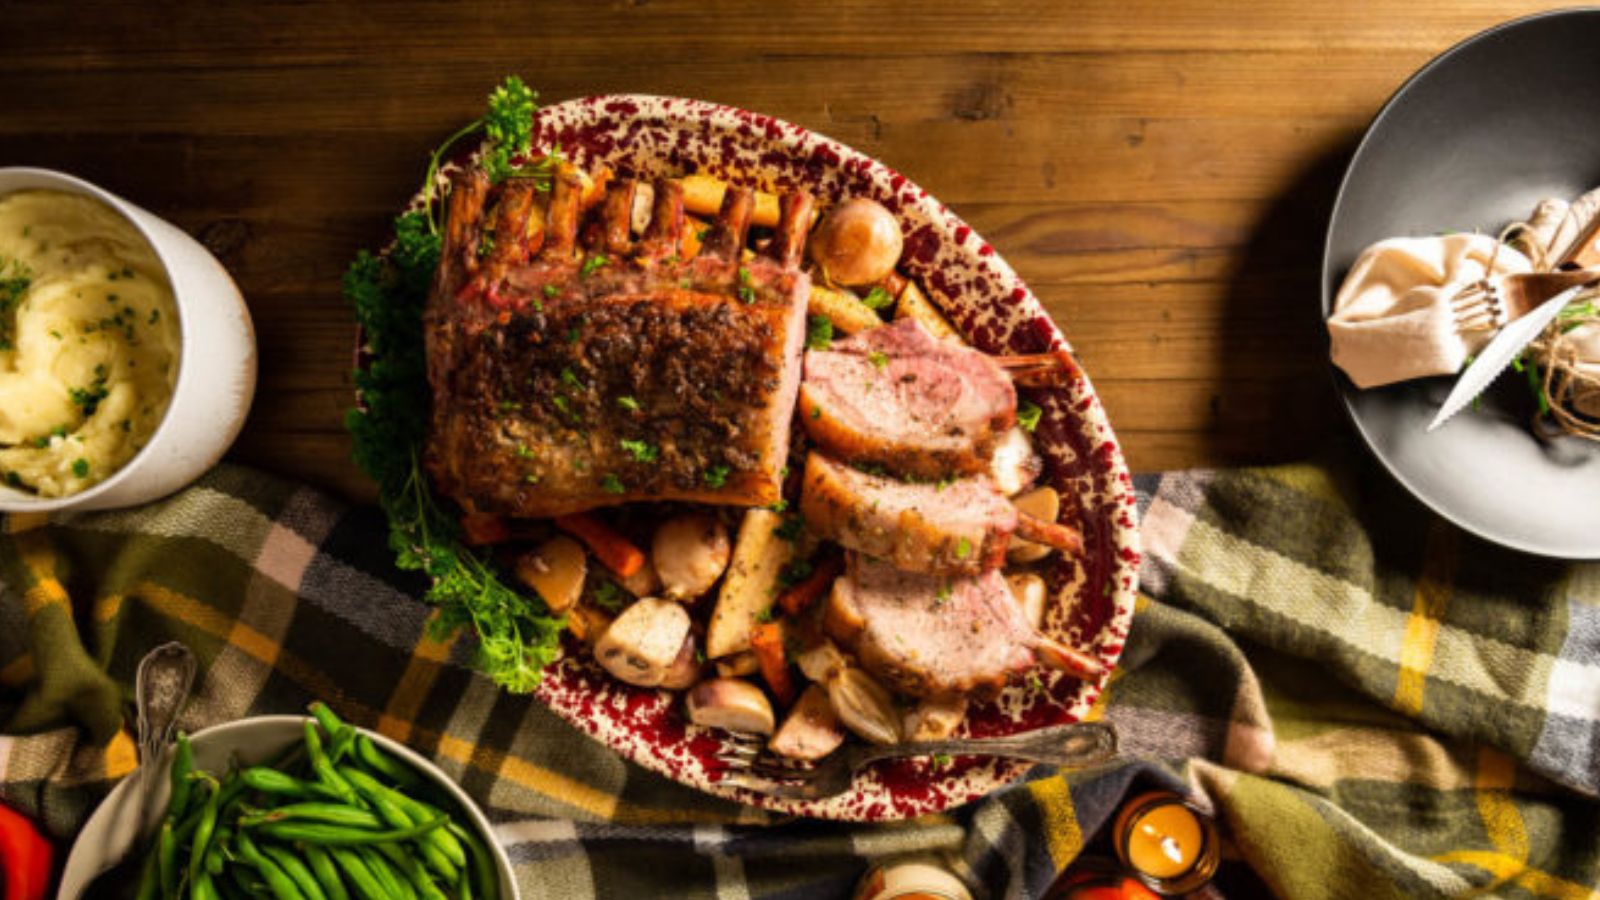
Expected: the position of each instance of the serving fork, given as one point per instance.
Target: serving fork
(1488, 306)
(749, 766)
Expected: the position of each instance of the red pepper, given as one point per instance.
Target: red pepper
(25, 857)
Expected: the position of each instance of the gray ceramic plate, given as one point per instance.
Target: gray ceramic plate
(1472, 142)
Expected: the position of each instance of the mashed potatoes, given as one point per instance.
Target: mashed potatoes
(88, 341)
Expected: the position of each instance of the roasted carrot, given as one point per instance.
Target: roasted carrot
(805, 592)
(766, 640)
(478, 529)
(614, 551)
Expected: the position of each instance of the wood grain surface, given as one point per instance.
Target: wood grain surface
(1160, 172)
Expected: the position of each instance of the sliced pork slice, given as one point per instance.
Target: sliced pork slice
(956, 528)
(930, 636)
(897, 397)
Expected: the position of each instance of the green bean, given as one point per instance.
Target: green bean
(383, 764)
(361, 877)
(240, 875)
(393, 881)
(343, 836)
(150, 875)
(329, 813)
(297, 872)
(182, 765)
(443, 839)
(202, 888)
(167, 860)
(464, 887)
(383, 799)
(203, 832)
(214, 860)
(272, 781)
(278, 881)
(483, 865)
(341, 737)
(412, 870)
(323, 767)
(327, 873)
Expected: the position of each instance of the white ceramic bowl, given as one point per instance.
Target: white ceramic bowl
(216, 363)
(250, 741)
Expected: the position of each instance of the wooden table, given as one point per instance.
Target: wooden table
(1161, 172)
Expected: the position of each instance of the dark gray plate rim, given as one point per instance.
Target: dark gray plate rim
(1346, 391)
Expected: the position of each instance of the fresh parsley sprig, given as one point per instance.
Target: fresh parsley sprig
(517, 635)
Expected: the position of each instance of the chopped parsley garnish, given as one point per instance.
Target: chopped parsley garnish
(1028, 414)
(88, 398)
(819, 333)
(746, 289)
(941, 761)
(611, 484)
(80, 467)
(716, 476)
(574, 333)
(593, 264)
(943, 595)
(523, 451)
(628, 403)
(766, 615)
(878, 298)
(816, 412)
(551, 292)
(781, 506)
(641, 451)
(486, 244)
(702, 234)
(791, 529)
(878, 358)
(12, 287)
(569, 379)
(1035, 682)
(794, 573)
(963, 548)
(944, 482)
(608, 596)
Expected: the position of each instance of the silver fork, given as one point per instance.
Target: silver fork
(750, 767)
(1487, 306)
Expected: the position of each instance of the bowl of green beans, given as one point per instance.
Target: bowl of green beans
(296, 808)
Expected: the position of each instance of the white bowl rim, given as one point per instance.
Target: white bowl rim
(423, 765)
(121, 207)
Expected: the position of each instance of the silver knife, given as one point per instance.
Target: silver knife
(1505, 347)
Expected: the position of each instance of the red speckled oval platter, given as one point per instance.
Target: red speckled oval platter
(647, 137)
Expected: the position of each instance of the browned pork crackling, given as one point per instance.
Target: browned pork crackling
(573, 368)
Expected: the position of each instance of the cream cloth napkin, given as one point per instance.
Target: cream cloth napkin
(1393, 321)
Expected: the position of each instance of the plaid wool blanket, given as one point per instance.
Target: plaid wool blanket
(1373, 703)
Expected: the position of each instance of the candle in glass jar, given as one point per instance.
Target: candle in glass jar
(1166, 842)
